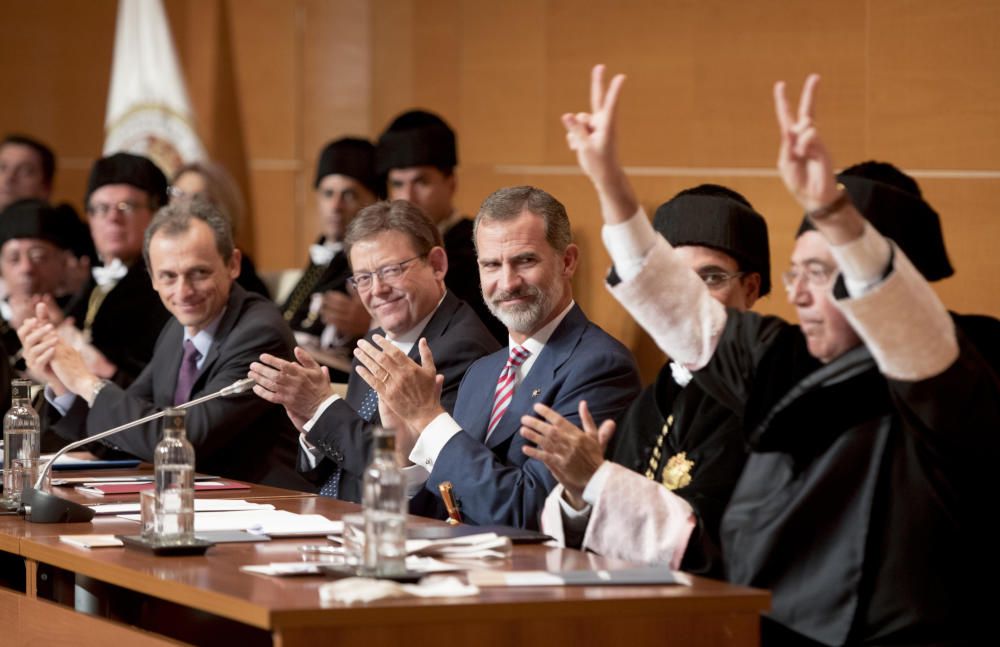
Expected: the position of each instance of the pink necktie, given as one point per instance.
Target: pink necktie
(505, 385)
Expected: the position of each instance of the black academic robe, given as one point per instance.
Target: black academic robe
(315, 278)
(127, 323)
(863, 504)
(710, 434)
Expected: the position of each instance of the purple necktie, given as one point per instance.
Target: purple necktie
(187, 374)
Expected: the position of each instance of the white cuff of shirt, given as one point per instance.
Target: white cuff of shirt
(323, 406)
(863, 261)
(414, 476)
(62, 403)
(628, 243)
(432, 440)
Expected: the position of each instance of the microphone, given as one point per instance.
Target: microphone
(43, 507)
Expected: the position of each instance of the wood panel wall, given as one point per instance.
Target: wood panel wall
(909, 81)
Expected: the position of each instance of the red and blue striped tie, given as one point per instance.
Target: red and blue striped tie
(505, 385)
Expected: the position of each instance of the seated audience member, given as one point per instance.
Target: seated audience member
(217, 329)
(675, 436)
(556, 357)
(871, 424)
(213, 183)
(35, 251)
(117, 311)
(27, 170)
(27, 167)
(399, 270)
(416, 156)
(324, 313)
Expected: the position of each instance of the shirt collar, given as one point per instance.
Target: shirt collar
(204, 337)
(537, 342)
(406, 341)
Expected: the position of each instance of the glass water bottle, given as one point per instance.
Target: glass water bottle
(173, 463)
(385, 507)
(21, 442)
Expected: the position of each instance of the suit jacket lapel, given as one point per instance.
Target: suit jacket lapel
(173, 339)
(540, 379)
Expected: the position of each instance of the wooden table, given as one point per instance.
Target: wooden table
(156, 600)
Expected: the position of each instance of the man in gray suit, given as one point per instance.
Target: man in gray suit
(217, 330)
(399, 266)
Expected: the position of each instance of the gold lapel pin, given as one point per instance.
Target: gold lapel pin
(536, 392)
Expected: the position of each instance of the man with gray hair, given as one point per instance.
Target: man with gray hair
(399, 267)
(556, 357)
(217, 330)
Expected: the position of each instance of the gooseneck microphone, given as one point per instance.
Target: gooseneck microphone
(43, 507)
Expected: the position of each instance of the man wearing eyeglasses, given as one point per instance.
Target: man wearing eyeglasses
(117, 313)
(871, 425)
(36, 242)
(399, 266)
(555, 356)
(675, 435)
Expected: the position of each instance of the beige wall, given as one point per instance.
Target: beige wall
(910, 81)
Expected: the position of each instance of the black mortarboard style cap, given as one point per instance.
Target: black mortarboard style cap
(891, 201)
(126, 168)
(416, 138)
(349, 156)
(33, 218)
(713, 216)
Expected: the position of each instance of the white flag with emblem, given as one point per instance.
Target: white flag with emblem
(148, 109)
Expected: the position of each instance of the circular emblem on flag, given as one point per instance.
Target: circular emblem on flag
(154, 130)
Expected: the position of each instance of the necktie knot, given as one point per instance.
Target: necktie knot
(518, 355)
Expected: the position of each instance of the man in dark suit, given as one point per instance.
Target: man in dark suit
(416, 156)
(217, 330)
(322, 312)
(117, 311)
(556, 357)
(399, 271)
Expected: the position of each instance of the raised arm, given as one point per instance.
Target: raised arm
(806, 169)
(594, 138)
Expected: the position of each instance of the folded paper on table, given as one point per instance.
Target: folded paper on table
(92, 541)
(443, 531)
(200, 505)
(274, 523)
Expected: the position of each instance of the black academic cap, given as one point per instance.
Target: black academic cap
(33, 218)
(126, 168)
(416, 138)
(717, 217)
(896, 209)
(349, 156)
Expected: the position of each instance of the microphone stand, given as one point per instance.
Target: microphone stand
(44, 507)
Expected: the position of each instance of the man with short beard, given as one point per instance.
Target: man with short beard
(556, 357)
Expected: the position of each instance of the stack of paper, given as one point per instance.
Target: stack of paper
(200, 505)
(274, 523)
